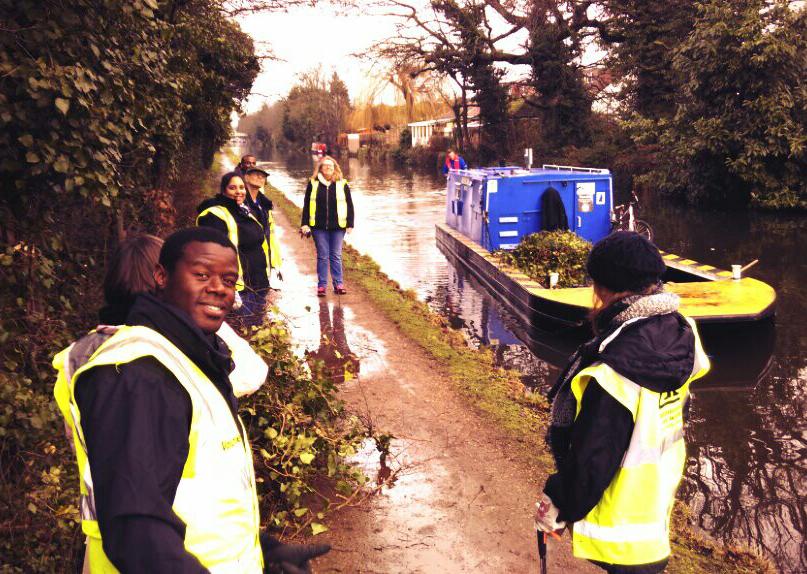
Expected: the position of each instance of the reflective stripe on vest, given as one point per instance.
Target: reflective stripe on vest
(274, 246)
(630, 523)
(232, 234)
(341, 204)
(216, 497)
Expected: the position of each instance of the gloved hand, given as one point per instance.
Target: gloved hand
(546, 515)
(282, 558)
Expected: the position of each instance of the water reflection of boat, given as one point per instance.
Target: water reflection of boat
(739, 359)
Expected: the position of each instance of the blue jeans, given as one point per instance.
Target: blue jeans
(329, 250)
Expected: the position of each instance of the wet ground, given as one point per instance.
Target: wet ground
(747, 477)
(451, 498)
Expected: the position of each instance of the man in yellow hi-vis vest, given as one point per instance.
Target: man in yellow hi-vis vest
(618, 410)
(167, 481)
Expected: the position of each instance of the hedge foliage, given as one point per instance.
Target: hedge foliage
(545, 252)
(300, 435)
(739, 132)
(101, 103)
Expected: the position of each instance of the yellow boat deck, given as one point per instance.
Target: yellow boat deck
(715, 297)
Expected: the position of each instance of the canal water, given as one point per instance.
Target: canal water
(747, 438)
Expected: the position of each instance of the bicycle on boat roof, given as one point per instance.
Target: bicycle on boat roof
(623, 218)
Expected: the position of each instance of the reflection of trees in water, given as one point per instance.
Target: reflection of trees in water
(333, 358)
(747, 475)
(535, 372)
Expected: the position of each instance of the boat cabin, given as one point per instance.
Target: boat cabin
(498, 206)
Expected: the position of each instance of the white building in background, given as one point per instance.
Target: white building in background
(424, 130)
(239, 139)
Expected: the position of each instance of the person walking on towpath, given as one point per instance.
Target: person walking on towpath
(247, 161)
(618, 411)
(168, 483)
(328, 215)
(262, 208)
(229, 213)
(453, 161)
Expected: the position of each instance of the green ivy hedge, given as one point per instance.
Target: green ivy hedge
(299, 433)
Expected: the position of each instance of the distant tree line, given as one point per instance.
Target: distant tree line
(316, 108)
(710, 96)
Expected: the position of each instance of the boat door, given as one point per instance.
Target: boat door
(591, 211)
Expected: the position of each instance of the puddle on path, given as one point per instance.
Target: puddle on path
(324, 328)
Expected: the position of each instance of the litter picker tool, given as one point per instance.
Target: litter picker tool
(542, 549)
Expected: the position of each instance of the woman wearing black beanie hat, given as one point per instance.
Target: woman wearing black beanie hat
(618, 411)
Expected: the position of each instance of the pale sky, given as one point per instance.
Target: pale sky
(306, 37)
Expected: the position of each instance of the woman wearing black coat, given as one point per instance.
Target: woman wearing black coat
(229, 213)
(618, 414)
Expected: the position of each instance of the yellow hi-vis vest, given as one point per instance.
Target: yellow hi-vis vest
(274, 246)
(341, 203)
(216, 497)
(232, 233)
(630, 524)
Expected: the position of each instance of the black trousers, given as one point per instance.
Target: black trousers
(650, 568)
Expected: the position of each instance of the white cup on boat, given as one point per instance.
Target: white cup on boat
(736, 271)
(553, 279)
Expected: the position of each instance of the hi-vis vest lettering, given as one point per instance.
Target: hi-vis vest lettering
(232, 234)
(631, 522)
(341, 203)
(216, 497)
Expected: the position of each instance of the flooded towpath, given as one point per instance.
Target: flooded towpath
(453, 499)
(747, 439)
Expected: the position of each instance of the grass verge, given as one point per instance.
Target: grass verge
(501, 397)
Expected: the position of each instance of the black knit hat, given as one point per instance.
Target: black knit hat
(625, 261)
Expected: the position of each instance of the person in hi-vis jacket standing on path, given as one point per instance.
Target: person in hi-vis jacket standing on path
(167, 478)
(328, 215)
(229, 213)
(618, 413)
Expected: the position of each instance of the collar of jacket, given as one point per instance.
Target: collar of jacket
(657, 352)
(208, 351)
(260, 200)
(224, 201)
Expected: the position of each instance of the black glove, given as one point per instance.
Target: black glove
(282, 558)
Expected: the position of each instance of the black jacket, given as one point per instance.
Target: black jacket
(136, 419)
(250, 240)
(553, 212)
(326, 216)
(657, 353)
(260, 208)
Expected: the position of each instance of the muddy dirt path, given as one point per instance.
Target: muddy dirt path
(459, 499)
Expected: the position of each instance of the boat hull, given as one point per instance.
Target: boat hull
(708, 295)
